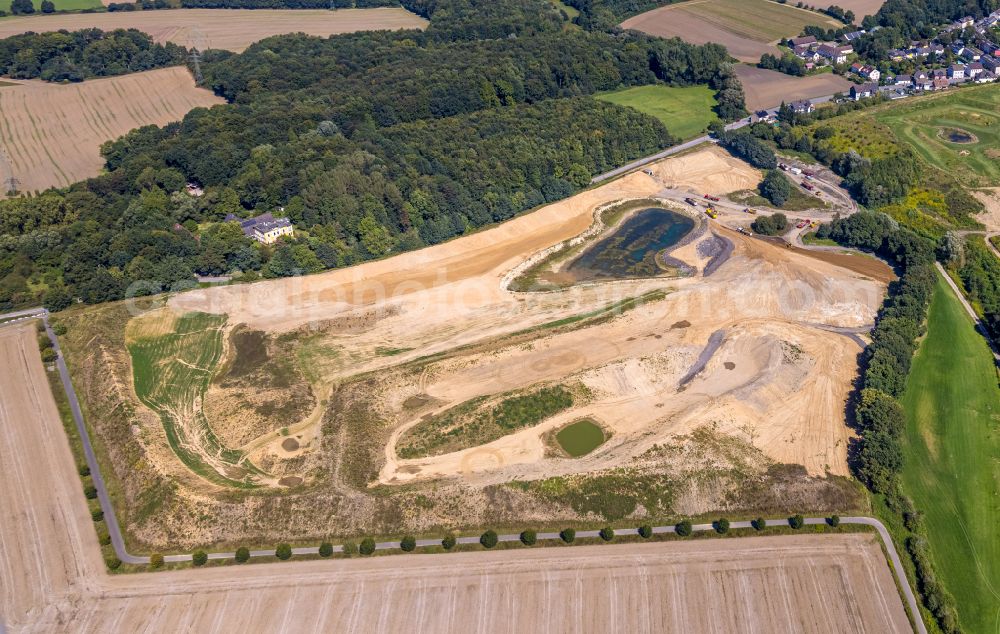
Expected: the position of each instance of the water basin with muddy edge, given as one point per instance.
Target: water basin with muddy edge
(957, 135)
(580, 438)
(631, 251)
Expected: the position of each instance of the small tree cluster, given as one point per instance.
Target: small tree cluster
(325, 549)
(199, 557)
(645, 531)
(796, 521)
(776, 188)
(770, 225)
(529, 537)
(759, 524)
(367, 546)
(283, 552)
(242, 555)
(568, 535)
(156, 560)
(408, 544)
(607, 533)
(721, 526)
(448, 542)
(683, 528)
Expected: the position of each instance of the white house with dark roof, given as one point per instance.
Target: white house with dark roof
(264, 228)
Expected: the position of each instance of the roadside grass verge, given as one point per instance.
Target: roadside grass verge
(951, 444)
(686, 111)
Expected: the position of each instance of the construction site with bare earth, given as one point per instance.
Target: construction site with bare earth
(437, 390)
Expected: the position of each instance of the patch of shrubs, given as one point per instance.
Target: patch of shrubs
(935, 597)
(607, 533)
(408, 544)
(283, 552)
(325, 549)
(489, 539)
(759, 524)
(796, 521)
(199, 557)
(645, 531)
(367, 546)
(156, 560)
(721, 526)
(242, 555)
(770, 225)
(448, 542)
(529, 537)
(683, 528)
(568, 535)
(749, 148)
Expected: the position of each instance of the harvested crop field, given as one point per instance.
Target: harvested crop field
(768, 88)
(747, 28)
(861, 8)
(54, 579)
(52, 133)
(230, 29)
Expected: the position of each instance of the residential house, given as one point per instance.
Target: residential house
(973, 69)
(956, 71)
(924, 84)
(836, 54)
(853, 35)
(802, 107)
(940, 84)
(265, 228)
(939, 73)
(985, 77)
(921, 75)
(971, 54)
(861, 91)
(898, 55)
(869, 72)
(800, 41)
(990, 63)
(903, 80)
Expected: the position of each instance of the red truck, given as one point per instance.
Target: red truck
(711, 197)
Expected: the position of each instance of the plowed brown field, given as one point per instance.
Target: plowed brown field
(230, 29)
(768, 88)
(52, 133)
(53, 579)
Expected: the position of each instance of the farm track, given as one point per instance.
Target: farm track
(61, 584)
(52, 133)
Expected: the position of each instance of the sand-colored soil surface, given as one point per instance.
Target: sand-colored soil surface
(990, 198)
(52, 134)
(768, 88)
(53, 579)
(230, 29)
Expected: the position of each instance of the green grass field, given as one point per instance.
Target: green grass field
(685, 111)
(921, 123)
(952, 446)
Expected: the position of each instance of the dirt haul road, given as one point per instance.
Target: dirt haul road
(53, 579)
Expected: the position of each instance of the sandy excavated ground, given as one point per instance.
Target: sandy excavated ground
(53, 578)
(990, 198)
(768, 88)
(52, 134)
(230, 29)
(776, 378)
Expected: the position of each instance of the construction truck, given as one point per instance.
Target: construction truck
(712, 213)
(691, 201)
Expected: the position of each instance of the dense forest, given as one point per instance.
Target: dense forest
(372, 143)
(78, 55)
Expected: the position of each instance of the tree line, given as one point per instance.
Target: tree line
(74, 56)
(877, 457)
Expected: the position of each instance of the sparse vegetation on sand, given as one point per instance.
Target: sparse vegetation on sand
(951, 444)
(686, 111)
(171, 375)
(480, 421)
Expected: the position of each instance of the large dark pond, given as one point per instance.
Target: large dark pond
(630, 251)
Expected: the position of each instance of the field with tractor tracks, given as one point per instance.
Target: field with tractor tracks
(747, 28)
(51, 134)
(229, 29)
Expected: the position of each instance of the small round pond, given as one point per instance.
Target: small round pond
(630, 252)
(580, 438)
(957, 135)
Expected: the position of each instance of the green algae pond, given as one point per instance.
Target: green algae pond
(580, 438)
(631, 251)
